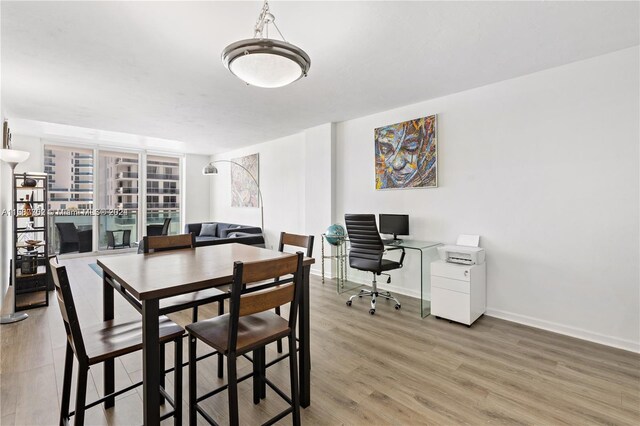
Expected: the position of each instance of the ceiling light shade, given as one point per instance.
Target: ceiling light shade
(264, 62)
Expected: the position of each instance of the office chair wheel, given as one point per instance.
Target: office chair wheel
(372, 311)
(398, 306)
(348, 302)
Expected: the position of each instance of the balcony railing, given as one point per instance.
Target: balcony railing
(127, 206)
(162, 176)
(127, 175)
(163, 205)
(163, 191)
(124, 190)
(126, 160)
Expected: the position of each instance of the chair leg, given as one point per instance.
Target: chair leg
(257, 378)
(81, 394)
(66, 385)
(293, 372)
(177, 382)
(279, 343)
(220, 356)
(263, 372)
(192, 381)
(194, 314)
(162, 373)
(233, 390)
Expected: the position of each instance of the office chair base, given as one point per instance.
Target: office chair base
(374, 295)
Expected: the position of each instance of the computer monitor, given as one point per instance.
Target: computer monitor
(396, 224)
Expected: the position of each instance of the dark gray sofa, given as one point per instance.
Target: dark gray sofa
(227, 233)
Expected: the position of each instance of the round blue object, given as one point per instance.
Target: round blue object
(335, 234)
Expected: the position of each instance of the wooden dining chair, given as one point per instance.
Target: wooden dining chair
(294, 240)
(170, 305)
(103, 342)
(249, 326)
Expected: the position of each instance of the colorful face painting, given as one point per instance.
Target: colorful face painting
(406, 154)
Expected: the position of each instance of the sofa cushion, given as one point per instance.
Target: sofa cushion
(208, 230)
(201, 239)
(222, 227)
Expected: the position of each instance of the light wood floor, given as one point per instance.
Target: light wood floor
(391, 368)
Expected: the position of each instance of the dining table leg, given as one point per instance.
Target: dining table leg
(107, 315)
(150, 362)
(304, 360)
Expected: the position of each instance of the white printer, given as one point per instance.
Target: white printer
(458, 281)
(465, 252)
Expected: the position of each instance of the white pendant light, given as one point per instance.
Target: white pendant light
(264, 62)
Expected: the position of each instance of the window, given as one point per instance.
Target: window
(70, 173)
(163, 195)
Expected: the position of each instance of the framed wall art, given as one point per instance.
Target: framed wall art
(406, 154)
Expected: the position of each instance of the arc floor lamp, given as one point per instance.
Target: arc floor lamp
(12, 157)
(210, 169)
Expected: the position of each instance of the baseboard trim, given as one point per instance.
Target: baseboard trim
(628, 345)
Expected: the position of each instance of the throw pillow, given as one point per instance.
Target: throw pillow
(208, 230)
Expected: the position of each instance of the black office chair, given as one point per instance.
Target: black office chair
(365, 254)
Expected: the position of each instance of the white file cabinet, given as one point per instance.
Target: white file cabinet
(458, 292)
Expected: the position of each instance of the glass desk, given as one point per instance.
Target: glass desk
(428, 253)
(426, 249)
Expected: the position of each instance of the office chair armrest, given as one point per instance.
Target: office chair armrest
(401, 256)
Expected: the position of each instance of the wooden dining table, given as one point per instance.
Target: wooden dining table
(144, 279)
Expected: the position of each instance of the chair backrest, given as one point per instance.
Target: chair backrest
(68, 308)
(286, 273)
(68, 231)
(366, 248)
(168, 242)
(294, 240)
(165, 226)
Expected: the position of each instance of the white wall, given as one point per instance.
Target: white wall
(319, 188)
(5, 229)
(281, 177)
(197, 189)
(543, 167)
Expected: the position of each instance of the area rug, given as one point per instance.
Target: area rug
(96, 269)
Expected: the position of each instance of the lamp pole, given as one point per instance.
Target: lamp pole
(210, 169)
(12, 157)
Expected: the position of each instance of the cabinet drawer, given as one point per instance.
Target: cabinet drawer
(449, 270)
(449, 284)
(450, 305)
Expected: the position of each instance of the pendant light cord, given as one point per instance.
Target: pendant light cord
(262, 24)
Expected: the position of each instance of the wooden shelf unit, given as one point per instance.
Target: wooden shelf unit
(31, 290)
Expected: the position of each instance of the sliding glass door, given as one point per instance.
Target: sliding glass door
(119, 192)
(120, 186)
(71, 198)
(163, 194)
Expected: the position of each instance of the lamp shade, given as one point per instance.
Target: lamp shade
(210, 169)
(265, 62)
(13, 156)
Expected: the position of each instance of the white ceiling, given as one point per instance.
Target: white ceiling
(153, 68)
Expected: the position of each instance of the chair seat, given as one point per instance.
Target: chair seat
(185, 301)
(115, 338)
(373, 265)
(253, 331)
(388, 265)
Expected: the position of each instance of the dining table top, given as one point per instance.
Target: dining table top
(170, 273)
